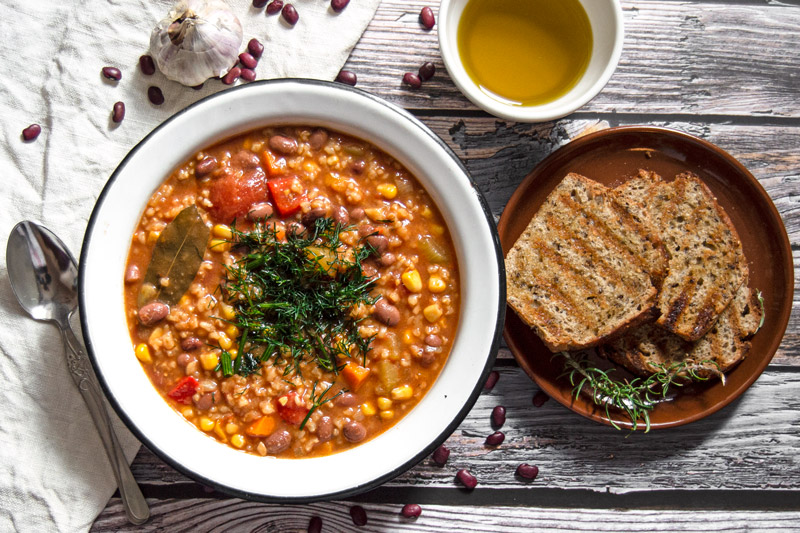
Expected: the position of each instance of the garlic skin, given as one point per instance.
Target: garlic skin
(198, 39)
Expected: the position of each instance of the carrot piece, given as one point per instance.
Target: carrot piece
(263, 427)
(275, 166)
(355, 375)
(287, 194)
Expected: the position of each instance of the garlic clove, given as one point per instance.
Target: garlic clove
(197, 40)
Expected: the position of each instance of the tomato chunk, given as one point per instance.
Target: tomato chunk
(287, 194)
(289, 410)
(233, 195)
(183, 391)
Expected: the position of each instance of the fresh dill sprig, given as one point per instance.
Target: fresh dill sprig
(635, 397)
(317, 401)
(293, 297)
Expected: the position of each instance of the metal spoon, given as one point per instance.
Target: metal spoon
(44, 277)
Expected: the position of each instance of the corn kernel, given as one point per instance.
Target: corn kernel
(219, 245)
(232, 331)
(387, 190)
(436, 284)
(402, 393)
(206, 424)
(436, 229)
(231, 428)
(220, 432)
(237, 440)
(143, 353)
(432, 313)
(187, 412)
(209, 360)
(384, 403)
(426, 212)
(408, 337)
(387, 415)
(412, 280)
(368, 409)
(234, 353)
(227, 311)
(225, 342)
(222, 231)
(153, 236)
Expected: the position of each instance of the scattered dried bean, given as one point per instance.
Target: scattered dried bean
(232, 75)
(498, 416)
(255, 48)
(359, 515)
(289, 14)
(155, 95)
(539, 398)
(112, 73)
(411, 510)
(426, 71)
(467, 479)
(441, 455)
(31, 132)
(346, 76)
(426, 18)
(258, 4)
(527, 471)
(339, 5)
(118, 113)
(491, 381)
(412, 80)
(274, 7)
(496, 438)
(315, 525)
(147, 65)
(247, 59)
(248, 74)
(197, 87)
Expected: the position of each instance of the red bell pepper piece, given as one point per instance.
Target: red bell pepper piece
(183, 391)
(289, 410)
(287, 194)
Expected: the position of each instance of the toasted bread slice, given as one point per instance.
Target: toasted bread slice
(649, 348)
(582, 271)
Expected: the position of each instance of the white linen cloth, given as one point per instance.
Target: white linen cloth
(54, 475)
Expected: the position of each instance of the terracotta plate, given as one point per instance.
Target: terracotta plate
(610, 157)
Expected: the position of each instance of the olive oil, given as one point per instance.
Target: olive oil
(525, 52)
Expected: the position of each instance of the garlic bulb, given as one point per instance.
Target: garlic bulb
(199, 39)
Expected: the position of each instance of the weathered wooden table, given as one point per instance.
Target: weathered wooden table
(727, 71)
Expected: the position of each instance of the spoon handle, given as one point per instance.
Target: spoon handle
(133, 501)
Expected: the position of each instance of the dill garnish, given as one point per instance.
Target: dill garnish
(636, 397)
(293, 297)
(317, 401)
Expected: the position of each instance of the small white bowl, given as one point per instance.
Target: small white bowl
(605, 17)
(234, 111)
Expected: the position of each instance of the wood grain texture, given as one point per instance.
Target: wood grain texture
(195, 515)
(677, 58)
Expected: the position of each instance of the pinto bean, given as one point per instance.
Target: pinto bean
(246, 159)
(357, 213)
(318, 138)
(184, 359)
(427, 358)
(205, 402)
(325, 429)
(379, 243)
(132, 275)
(365, 230)
(310, 218)
(354, 431)
(283, 144)
(260, 210)
(348, 399)
(386, 313)
(206, 166)
(190, 343)
(341, 216)
(433, 340)
(153, 312)
(278, 441)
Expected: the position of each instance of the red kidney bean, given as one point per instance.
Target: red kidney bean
(205, 402)
(365, 230)
(412, 80)
(325, 428)
(274, 7)
(31, 132)
(347, 77)
(386, 313)
(246, 59)
(348, 399)
(354, 431)
(539, 398)
(112, 73)
(255, 47)
(232, 75)
(318, 138)
(278, 441)
(496, 438)
(155, 95)
(258, 4)
(527, 471)
(118, 113)
(258, 211)
(190, 344)
(289, 14)
(441, 455)
(357, 213)
(426, 18)
(147, 65)
(246, 159)
(309, 219)
(379, 243)
(498, 416)
(467, 479)
(339, 5)
(315, 525)
(426, 71)
(296, 228)
(206, 166)
(132, 275)
(283, 144)
(359, 515)
(153, 312)
(184, 359)
(491, 381)
(433, 340)
(411, 510)
(248, 74)
(341, 216)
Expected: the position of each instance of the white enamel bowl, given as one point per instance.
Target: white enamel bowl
(300, 102)
(605, 17)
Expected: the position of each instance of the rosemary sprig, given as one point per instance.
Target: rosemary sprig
(317, 401)
(636, 397)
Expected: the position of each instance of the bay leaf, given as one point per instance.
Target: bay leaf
(177, 256)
